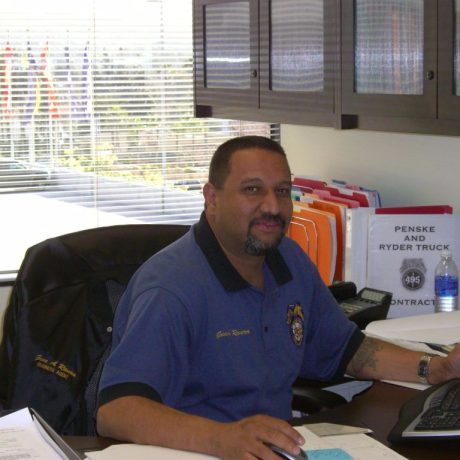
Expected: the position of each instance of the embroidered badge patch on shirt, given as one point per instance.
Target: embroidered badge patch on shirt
(295, 320)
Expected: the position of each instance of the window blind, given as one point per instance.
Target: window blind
(97, 124)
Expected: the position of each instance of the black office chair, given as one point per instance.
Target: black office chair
(310, 397)
(58, 322)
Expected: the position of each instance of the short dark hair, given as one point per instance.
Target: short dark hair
(219, 166)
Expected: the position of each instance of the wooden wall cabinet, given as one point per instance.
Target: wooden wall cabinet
(398, 64)
(391, 65)
(266, 60)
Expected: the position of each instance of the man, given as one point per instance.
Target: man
(212, 331)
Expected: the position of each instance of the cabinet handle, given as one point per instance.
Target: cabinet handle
(254, 73)
(429, 75)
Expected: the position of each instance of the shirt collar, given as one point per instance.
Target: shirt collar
(224, 270)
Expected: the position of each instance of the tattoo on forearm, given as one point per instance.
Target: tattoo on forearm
(365, 357)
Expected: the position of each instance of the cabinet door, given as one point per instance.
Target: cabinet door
(226, 53)
(449, 59)
(389, 58)
(298, 45)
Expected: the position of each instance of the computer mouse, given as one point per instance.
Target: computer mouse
(286, 455)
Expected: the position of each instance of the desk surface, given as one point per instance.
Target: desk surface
(377, 409)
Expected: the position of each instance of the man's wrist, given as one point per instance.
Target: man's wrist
(439, 370)
(423, 368)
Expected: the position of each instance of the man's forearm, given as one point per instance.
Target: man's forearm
(379, 360)
(142, 421)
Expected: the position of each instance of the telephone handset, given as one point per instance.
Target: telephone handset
(363, 307)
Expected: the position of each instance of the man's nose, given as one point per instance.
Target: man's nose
(270, 203)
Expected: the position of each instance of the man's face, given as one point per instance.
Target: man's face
(253, 209)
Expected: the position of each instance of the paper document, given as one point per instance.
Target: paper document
(333, 429)
(357, 446)
(441, 328)
(349, 389)
(336, 447)
(138, 452)
(21, 437)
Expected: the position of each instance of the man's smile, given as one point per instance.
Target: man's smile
(268, 223)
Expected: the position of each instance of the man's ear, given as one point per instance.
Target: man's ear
(209, 193)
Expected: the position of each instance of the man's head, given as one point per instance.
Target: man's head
(248, 195)
(220, 161)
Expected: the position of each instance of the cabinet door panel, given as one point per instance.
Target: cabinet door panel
(389, 57)
(449, 59)
(298, 42)
(389, 47)
(226, 53)
(297, 45)
(227, 45)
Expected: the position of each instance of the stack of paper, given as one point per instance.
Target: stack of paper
(24, 434)
(353, 445)
(434, 328)
(324, 239)
(344, 192)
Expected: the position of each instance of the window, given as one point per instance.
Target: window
(96, 118)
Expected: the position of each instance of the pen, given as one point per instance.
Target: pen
(442, 348)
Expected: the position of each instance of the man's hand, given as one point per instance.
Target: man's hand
(453, 363)
(246, 439)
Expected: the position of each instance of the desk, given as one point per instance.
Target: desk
(377, 409)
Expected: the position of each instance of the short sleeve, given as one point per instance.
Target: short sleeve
(151, 345)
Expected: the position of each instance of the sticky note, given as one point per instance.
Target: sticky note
(328, 454)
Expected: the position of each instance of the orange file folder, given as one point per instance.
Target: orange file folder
(339, 212)
(325, 226)
(304, 232)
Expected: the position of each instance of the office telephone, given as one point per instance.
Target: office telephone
(363, 307)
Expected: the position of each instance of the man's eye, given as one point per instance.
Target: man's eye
(251, 189)
(284, 192)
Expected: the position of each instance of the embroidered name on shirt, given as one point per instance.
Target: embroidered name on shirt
(54, 367)
(232, 333)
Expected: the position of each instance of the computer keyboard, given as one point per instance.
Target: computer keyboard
(434, 413)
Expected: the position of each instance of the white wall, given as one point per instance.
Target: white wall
(407, 169)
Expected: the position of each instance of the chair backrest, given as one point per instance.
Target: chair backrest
(58, 323)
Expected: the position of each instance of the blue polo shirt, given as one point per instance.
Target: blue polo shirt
(192, 333)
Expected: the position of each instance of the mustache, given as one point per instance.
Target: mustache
(267, 217)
